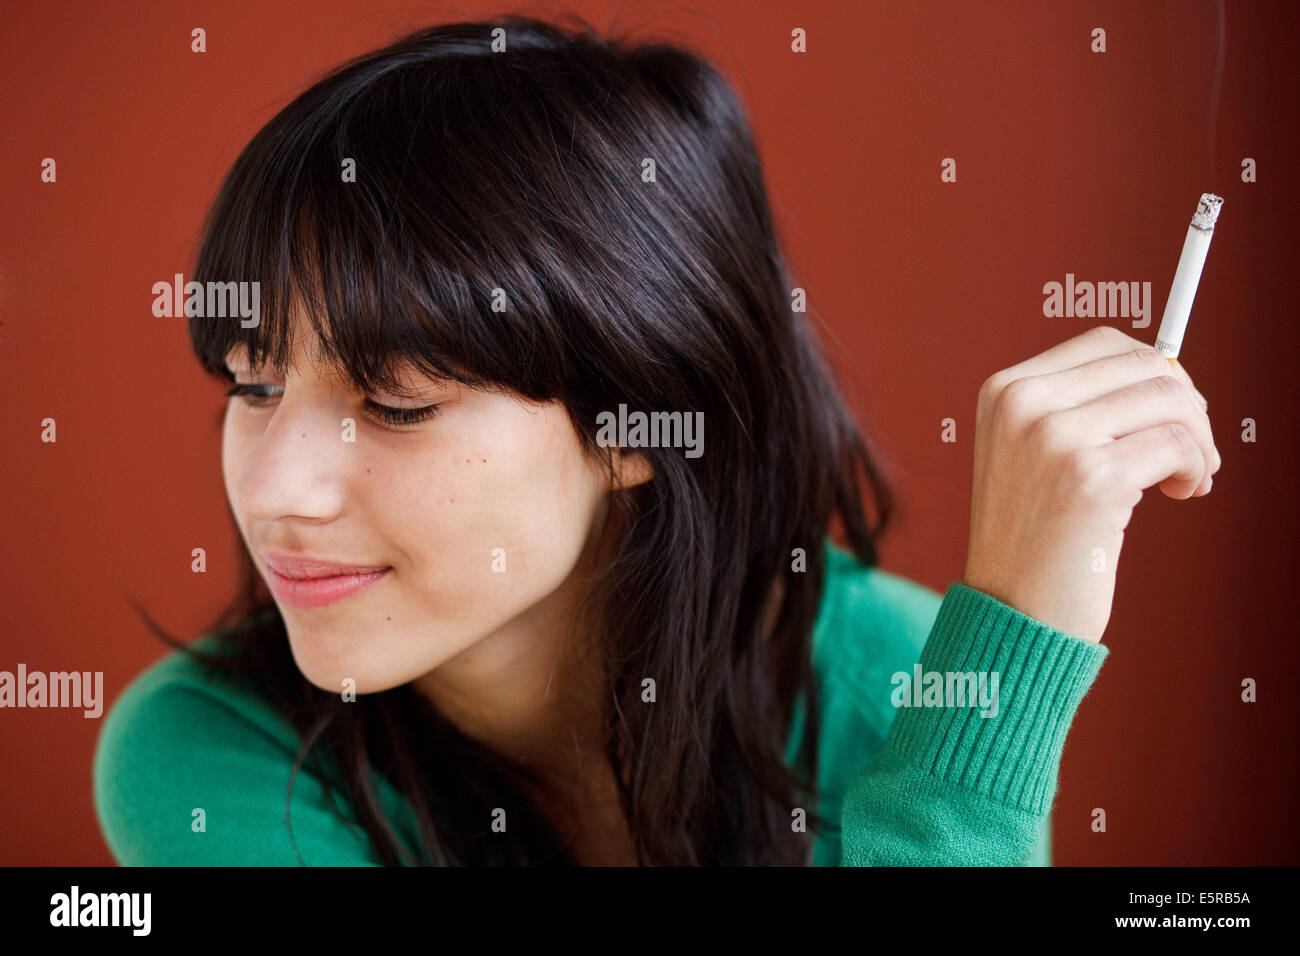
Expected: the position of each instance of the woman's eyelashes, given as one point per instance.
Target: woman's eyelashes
(259, 396)
(395, 415)
(254, 395)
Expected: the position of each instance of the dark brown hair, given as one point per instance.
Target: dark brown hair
(521, 170)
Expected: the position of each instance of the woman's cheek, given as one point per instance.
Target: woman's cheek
(235, 451)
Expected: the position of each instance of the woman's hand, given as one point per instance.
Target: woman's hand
(1065, 444)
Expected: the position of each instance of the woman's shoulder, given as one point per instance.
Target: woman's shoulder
(192, 767)
(869, 617)
(871, 625)
(182, 699)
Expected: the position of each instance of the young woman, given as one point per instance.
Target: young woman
(484, 624)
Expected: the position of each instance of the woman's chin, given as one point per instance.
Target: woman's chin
(343, 672)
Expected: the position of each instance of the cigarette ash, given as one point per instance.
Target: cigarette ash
(1207, 212)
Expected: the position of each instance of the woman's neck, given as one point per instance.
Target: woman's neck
(534, 691)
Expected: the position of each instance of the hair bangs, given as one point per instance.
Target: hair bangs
(383, 284)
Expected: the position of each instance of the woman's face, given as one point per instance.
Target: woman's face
(473, 524)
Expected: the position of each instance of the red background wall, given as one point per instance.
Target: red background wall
(1068, 161)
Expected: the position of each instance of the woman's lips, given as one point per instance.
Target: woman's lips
(309, 582)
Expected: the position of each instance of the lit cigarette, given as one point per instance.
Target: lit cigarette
(1179, 304)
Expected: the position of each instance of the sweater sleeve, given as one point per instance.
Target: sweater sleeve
(972, 785)
(192, 772)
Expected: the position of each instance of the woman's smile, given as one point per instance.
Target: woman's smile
(311, 582)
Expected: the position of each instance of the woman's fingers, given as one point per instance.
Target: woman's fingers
(1168, 451)
(1098, 343)
(1160, 405)
(1114, 396)
(1186, 377)
(1141, 406)
(1065, 443)
(1091, 380)
(1100, 362)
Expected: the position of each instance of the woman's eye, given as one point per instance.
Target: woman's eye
(255, 395)
(400, 416)
(259, 396)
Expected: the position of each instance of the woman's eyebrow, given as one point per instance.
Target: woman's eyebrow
(410, 384)
(322, 356)
(235, 353)
(237, 362)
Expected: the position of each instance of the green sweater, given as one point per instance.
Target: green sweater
(910, 785)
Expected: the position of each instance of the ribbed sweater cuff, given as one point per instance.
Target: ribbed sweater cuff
(1013, 756)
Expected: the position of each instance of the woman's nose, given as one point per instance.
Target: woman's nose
(298, 465)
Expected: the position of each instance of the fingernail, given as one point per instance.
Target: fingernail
(1209, 483)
